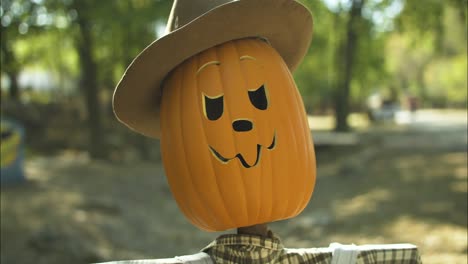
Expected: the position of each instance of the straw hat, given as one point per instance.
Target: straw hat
(194, 26)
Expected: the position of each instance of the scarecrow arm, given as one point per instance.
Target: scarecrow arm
(396, 253)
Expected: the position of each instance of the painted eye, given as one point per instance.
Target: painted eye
(259, 98)
(214, 106)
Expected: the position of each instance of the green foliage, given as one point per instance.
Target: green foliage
(402, 44)
(446, 79)
(43, 34)
(429, 52)
(404, 47)
(121, 31)
(319, 75)
(316, 76)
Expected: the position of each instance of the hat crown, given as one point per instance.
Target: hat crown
(184, 11)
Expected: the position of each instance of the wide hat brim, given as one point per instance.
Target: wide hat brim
(286, 24)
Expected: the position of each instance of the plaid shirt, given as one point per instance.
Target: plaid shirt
(248, 249)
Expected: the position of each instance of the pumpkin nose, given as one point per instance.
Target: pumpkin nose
(242, 125)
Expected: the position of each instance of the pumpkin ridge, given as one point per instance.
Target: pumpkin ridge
(204, 205)
(299, 107)
(187, 210)
(217, 185)
(292, 207)
(245, 190)
(258, 191)
(195, 205)
(268, 174)
(295, 150)
(219, 50)
(302, 148)
(305, 193)
(282, 208)
(300, 112)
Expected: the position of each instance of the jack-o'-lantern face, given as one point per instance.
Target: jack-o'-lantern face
(234, 137)
(213, 109)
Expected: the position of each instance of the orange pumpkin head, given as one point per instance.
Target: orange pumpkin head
(235, 141)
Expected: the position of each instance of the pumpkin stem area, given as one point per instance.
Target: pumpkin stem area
(257, 230)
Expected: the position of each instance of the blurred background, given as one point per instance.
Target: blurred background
(384, 84)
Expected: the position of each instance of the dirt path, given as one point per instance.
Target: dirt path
(73, 210)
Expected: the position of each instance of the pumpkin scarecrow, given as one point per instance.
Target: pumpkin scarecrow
(217, 91)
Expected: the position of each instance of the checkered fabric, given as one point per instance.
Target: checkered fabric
(389, 255)
(247, 249)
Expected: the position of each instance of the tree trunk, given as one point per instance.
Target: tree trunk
(14, 88)
(343, 91)
(420, 82)
(9, 65)
(89, 81)
(142, 144)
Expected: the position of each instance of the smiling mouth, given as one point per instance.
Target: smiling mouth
(241, 158)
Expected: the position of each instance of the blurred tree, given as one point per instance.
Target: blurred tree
(383, 45)
(89, 83)
(345, 69)
(106, 47)
(345, 61)
(315, 76)
(139, 23)
(429, 36)
(15, 19)
(103, 44)
(9, 63)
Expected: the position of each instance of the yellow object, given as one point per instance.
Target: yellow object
(9, 145)
(235, 139)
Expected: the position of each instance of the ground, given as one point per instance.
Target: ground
(403, 185)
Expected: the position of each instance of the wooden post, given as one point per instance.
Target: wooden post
(258, 230)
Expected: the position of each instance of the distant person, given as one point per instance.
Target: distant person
(413, 103)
